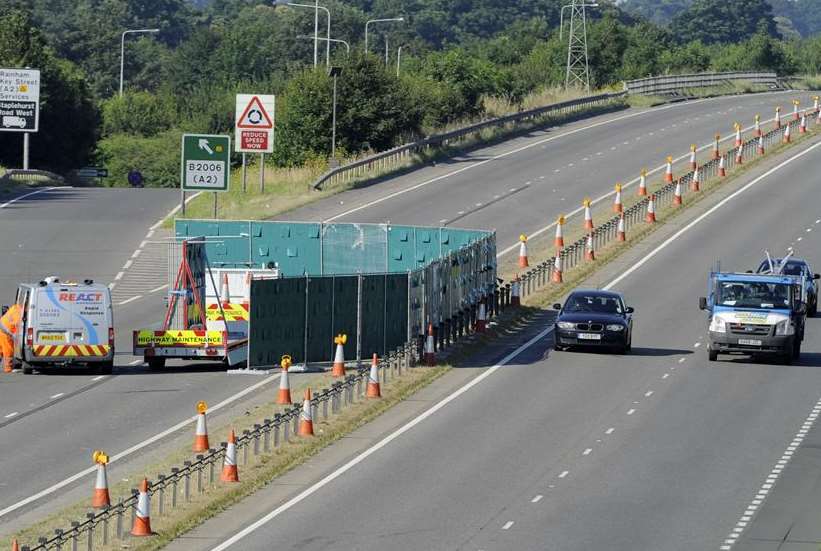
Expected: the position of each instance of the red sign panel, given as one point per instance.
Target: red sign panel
(254, 139)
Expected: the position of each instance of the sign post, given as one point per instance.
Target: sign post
(205, 166)
(254, 128)
(20, 104)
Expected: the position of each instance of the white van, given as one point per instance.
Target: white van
(64, 324)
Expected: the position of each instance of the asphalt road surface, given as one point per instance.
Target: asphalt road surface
(94, 233)
(656, 450)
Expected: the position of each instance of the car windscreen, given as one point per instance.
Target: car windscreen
(753, 295)
(593, 303)
(792, 268)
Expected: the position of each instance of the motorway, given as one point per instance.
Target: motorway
(93, 233)
(656, 450)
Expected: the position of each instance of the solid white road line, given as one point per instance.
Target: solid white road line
(37, 192)
(132, 299)
(135, 448)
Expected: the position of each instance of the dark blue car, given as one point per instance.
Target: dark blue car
(594, 318)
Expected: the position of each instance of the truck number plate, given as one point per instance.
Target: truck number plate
(749, 342)
(590, 336)
(51, 337)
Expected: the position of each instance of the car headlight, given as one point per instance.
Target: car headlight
(615, 327)
(784, 328)
(566, 325)
(718, 325)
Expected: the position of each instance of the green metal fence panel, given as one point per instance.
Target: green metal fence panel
(428, 247)
(402, 249)
(227, 243)
(277, 321)
(354, 248)
(295, 247)
(320, 309)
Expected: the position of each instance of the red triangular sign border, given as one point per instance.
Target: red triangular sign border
(255, 101)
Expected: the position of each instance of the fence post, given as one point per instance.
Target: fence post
(187, 481)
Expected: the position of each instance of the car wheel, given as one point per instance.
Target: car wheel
(789, 355)
(629, 346)
(28, 369)
(796, 349)
(712, 355)
(814, 310)
(105, 368)
(558, 348)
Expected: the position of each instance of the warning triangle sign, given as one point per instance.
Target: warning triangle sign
(255, 116)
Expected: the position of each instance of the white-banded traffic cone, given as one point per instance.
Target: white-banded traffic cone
(617, 204)
(693, 157)
(621, 234)
(373, 390)
(815, 100)
(142, 517)
(284, 395)
(651, 210)
(761, 145)
(739, 156)
(14, 545)
(589, 253)
(677, 194)
(225, 293)
(557, 268)
(338, 369)
(558, 241)
(430, 352)
(481, 317)
(668, 172)
(515, 292)
(101, 499)
(758, 125)
(306, 417)
(717, 147)
(201, 432)
(722, 170)
(778, 117)
(738, 140)
(802, 128)
(642, 191)
(795, 104)
(695, 183)
(246, 297)
(818, 118)
(588, 217)
(229, 466)
(523, 251)
(787, 137)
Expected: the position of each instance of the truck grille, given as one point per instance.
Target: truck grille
(749, 329)
(589, 326)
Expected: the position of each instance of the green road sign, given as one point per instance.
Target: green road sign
(206, 162)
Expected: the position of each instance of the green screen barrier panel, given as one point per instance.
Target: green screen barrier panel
(374, 302)
(396, 310)
(401, 249)
(320, 319)
(277, 322)
(344, 311)
(294, 246)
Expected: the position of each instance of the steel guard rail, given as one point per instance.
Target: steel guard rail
(674, 83)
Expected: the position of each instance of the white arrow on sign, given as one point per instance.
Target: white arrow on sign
(205, 147)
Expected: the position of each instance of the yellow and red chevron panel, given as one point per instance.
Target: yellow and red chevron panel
(71, 350)
(233, 312)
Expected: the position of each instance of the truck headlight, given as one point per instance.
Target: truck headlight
(615, 327)
(784, 328)
(718, 325)
(566, 325)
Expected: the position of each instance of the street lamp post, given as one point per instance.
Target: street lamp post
(316, 38)
(332, 40)
(122, 51)
(378, 21)
(334, 72)
(398, 59)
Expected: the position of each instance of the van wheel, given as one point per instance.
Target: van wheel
(28, 369)
(105, 368)
(712, 355)
(789, 355)
(156, 363)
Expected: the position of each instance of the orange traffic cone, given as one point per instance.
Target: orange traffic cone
(557, 268)
(651, 210)
(795, 104)
(668, 173)
(306, 420)
(430, 353)
(695, 183)
(373, 390)
(621, 235)
(284, 395)
(481, 317)
(588, 217)
(589, 253)
(693, 157)
(778, 117)
(225, 293)
(515, 294)
(14, 545)
(802, 128)
(101, 498)
(738, 140)
(761, 145)
(523, 251)
(677, 194)
(739, 156)
(142, 519)
(246, 298)
(758, 125)
(338, 369)
(558, 242)
(617, 204)
(642, 183)
(229, 466)
(722, 171)
(787, 134)
(716, 147)
(201, 433)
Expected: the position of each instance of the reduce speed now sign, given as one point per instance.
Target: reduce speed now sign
(254, 123)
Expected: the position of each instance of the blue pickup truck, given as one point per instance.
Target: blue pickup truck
(756, 314)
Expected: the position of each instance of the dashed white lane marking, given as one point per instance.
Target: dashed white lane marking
(809, 230)
(631, 411)
(569, 164)
(665, 375)
(696, 345)
(132, 299)
(136, 253)
(610, 430)
(564, 474)
(507, 525)
(98, 377)
(128, 264)
(443, 220)
(613, 148)
(648, 393)
(12, 414)
(588, 451)
(55, 396)
(119, 276)
(818, 221)
(799, 239)
(682, 360)
(536, 499)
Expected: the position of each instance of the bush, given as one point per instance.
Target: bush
(157, 157)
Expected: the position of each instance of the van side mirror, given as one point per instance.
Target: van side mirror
(816, 276)
(629, 310)
(702, 303)
(801, 308)
(4, 309)
(557, 306)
